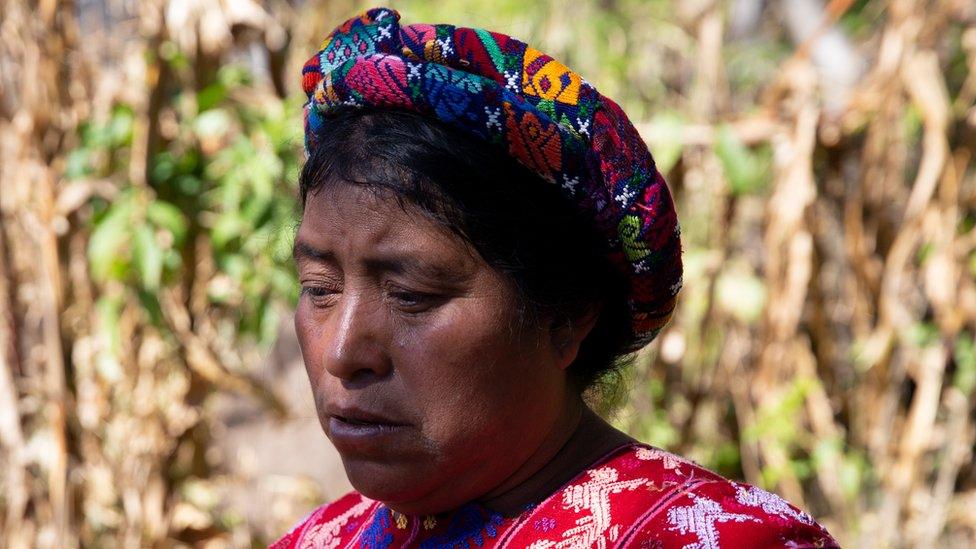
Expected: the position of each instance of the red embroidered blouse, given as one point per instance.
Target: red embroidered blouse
(636, 497)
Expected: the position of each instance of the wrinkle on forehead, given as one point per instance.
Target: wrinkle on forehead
(433, 206)
(376, 220)
(343, 208)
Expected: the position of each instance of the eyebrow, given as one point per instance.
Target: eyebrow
(410, 266)
(395, 264)
(304, 250)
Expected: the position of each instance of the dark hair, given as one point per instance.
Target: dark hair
(520, 224)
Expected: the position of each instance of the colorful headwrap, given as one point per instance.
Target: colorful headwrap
(532, 107)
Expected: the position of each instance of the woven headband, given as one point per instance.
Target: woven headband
(532, 107)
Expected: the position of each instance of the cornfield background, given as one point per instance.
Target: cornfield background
(820, 153)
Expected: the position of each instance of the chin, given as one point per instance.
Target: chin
(400, 486)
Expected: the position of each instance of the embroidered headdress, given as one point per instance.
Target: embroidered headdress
(530, 106)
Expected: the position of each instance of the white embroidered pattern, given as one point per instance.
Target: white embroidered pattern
(671, 461)
(326, 535)
(625, 196)
(700, 519)
(771, 504)
(445, 45)
(493, 117)
(512, 81)
(413, 71)
(570, 183)
(583, 127)
(593, 529)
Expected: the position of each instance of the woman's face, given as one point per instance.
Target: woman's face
(421, 376)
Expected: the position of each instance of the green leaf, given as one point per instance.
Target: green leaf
(188, 185)
(94, 136)
(745, 170)
(852, 475)
(283, 241)
(741, 294)
(228, 227)
(668, 148)
(169, 217)
(78, 164)
(148, 256)
(235, 266)
(284, 283)
(163, 167)
(268, 329)
(232, 76)
(256, 209)
(266, 169)
(964, 355)
(727, 458)
(212, 124)
(172, 261)
(923, 334)
(119, 128)
(924, 252)
(108, 311)
(211, 96)
(150, 306)
(107, 239)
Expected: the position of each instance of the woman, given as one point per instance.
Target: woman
(483, 238)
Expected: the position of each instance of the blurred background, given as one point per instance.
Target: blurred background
(821, 157)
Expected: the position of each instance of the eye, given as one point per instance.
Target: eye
(320, 296)
(412, 301)
(409, 298)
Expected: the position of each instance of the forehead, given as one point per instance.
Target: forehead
(352, 219)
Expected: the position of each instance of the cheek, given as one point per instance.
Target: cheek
(310, 341)
(472, 383)
(303, 328)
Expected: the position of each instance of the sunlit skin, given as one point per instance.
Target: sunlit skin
(422, 379)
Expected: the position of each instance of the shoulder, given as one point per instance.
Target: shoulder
(328, 524)
(642, 496)
(699, 508)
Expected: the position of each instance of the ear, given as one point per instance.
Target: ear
(568, 335)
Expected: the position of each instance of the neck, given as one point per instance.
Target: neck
(587, 438)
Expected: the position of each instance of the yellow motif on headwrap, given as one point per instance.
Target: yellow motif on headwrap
(553, 71)
(409, 54)
(433, 52)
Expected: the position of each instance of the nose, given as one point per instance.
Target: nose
(354, 350)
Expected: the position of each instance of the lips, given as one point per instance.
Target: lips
(356, 416)
(354, 430)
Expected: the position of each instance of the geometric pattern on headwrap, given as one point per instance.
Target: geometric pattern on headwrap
(533, 107)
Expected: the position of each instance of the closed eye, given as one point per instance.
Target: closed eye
(319, 295)
(415, 302)
(410, 298)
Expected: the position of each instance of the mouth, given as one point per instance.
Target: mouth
(356, 416)
(357, 422)
(352, 428)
